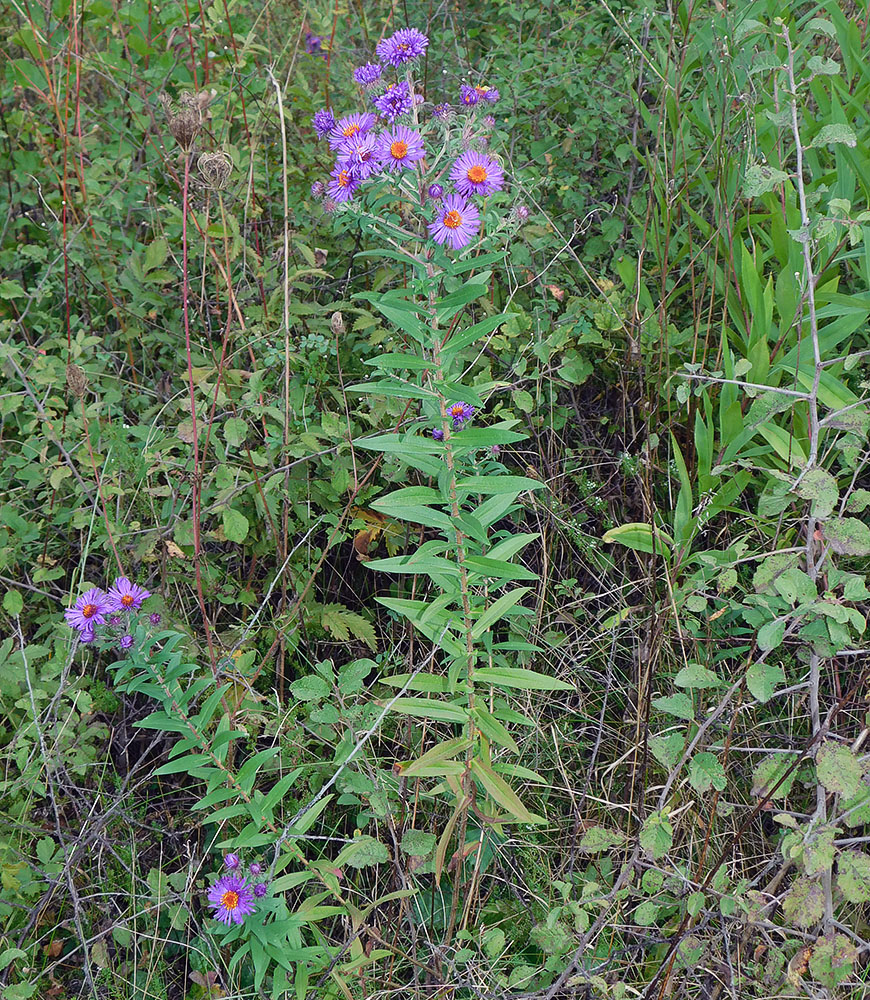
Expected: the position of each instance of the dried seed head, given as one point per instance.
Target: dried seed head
(215, 168)
(76, 381)
(184, 124)
(319, 256)
(337, 324)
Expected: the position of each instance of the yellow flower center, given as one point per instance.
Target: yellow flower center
(481, 90)
(230, 900)
(350, 130)
(127, 600)
(456, 410)
(399, 150)
(453, 220)
(477, 174)
(89, 610)
(343, 179)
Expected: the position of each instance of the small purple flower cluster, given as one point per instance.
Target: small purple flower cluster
(110, 609)
(314, 44)
(233, 895)
(460, 414)
(365, 149)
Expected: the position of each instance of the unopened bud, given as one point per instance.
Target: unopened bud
(337, 324)
(76, 381)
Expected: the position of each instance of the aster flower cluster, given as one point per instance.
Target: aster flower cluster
(234, 894)
(460, 414)
(391, 139)
(113, 611)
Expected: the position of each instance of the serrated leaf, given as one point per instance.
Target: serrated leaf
(362, 853)
(311, 688)
(767, 775)
(838, 769)
(599, 838)
(694, 675)
(705, 772)
(762, 679)
(848, 536)
(235, 431)
(236, 525)
(819, 486)
(418, 843)
(853, 876)
(678, 704)
(657, 836)
(343, 623)
(155, 254)
(818, 853)
(804, 903)
(831, 134)
(667, 750)
(760, 178)
(13, 602)
(771, 634)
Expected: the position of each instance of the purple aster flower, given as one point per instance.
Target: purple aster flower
(124, 595)
(438, 434)
(476, 173)
(488, 121)
(86, 635)
(442, 112)
(232, 898)
(154, 618)
(395, 101)
(405, 45)
(459, 413)
(468, 95)
(314, 45)
(232, 861)
(317, 189)
(260, 890)
(349, 126)
(400, 148)
(114, 619)
(126, 641)
(342, 186)
(457, 221)
(521, 212)
(255, 869)
(359, 155)
(435, 191)
(329, 205)
(489, 94)
(89, 610)
(367, 76)
(323, 122)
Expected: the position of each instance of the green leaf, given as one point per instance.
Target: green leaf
(657, 836)
(768, 774)
(498, 569)
(8, 956)
(831, 134)
(678, 704)
(438, 754)
(667, 750)
(495, 485)
(694, 675)
(362, 853)
(429, 708)
(771, 634)
(695, 903)
(819, 486)
(639, 536)
(235, 431)
(502, 793)
(848, 536)
(493, 730)
(155, 254)
(853, 876)
(235, 525)
(762, 678)
(705, 772)
(311, 688)
(343, 624)
(804, 903)
(832, 959)
(418, 843)
(838, 769)
(498, 609)
(518, 677)
(760, 178)
(13, 603)
(599, 838)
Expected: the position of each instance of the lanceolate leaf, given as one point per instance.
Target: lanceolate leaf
(502, 793)
(518, 677)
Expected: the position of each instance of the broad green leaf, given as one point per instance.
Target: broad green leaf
(832, 134)
(310, 688)
(770, 772)
(418, 843)
(13, 602)
(493, 730)
(819, 486)
(362, 853)
(599, 838)
(498, 609)
(853, 876)
(706, 772)
(678, 704)
(762, 679)
(494, 485)
(804, 903)
(667, 750)
(235, 525)
(656, 836)
(848, 536)
(771, 634)
(519, 677)
(838, 769)
(694, 675)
